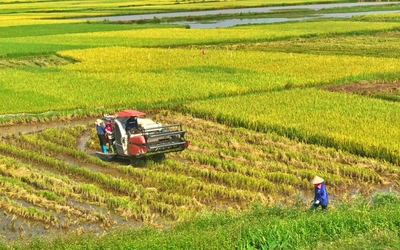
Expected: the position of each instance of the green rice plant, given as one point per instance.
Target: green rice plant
(385, 199)
(16, 188)
(28, 212)
(91, 192)
(49, 195)
(111, 182)
(23, 173)
(133, 171)
(34, 142)
(35, 198)
(66, 137)
(134, 191)
(259, 227)
(283, 178)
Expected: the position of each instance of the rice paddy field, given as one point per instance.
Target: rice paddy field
(261, 107)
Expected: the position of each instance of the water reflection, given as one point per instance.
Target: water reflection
(234, 22)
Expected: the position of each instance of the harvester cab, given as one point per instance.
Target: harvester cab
(151, 138)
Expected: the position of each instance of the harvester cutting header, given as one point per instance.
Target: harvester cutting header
(135, 136)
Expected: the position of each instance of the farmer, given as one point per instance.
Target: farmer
(101, 133)
(320, 194)
(131, 124)
(110, 136)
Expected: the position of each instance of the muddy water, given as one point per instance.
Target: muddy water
(37, 127)
(234, 22)
(13, 227)
(92, 167)
(81, 143)
(232, 11)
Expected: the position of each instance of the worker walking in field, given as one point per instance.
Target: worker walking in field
(320, 194)
(101, 133)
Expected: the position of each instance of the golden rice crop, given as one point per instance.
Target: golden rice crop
(359, 124)
(149, 76)
(34, 19)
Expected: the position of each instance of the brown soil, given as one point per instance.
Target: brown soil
(41, 61)
(366, 88)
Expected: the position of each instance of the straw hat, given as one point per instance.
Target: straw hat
(98, 121)
(317, 180)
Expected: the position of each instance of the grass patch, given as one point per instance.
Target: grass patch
(346, 224)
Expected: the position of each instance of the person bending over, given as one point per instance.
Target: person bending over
(320, 194)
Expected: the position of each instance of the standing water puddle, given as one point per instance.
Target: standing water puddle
(234, 22)
(37, 127)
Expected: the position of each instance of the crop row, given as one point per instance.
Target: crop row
(49, 195)
(182, 185)
(164, 183)
(352, 123)
(254, 154)
(65, 137)
(137, 208)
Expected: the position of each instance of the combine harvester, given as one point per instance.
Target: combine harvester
(150, 139)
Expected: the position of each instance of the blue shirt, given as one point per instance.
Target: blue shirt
(321, 195)
(101, 130)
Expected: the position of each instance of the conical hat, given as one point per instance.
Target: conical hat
(98, 121)
(317, 180)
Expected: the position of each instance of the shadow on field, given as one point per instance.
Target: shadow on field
(134, 162)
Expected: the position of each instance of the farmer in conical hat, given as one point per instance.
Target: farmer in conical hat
(320, 194)
(101, 133)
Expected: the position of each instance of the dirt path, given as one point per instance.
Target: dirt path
(366, 88)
